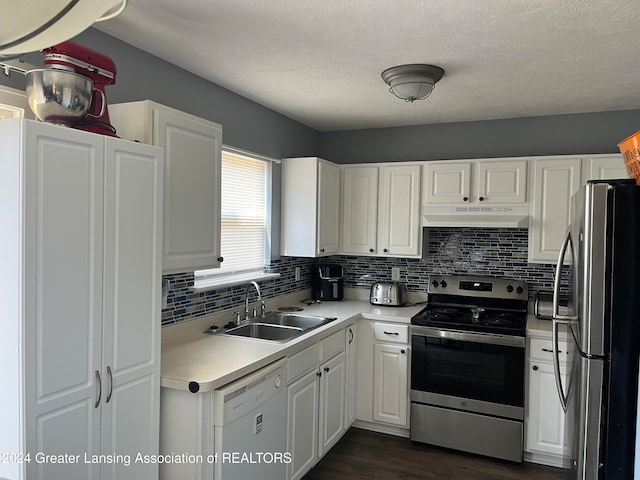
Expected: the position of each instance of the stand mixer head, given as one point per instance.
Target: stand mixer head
(96, 66)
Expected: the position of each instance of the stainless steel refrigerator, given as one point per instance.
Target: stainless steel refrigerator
(600, 399)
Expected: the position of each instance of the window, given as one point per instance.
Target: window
(245, 218)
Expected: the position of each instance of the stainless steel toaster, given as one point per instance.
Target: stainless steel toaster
(389, 294)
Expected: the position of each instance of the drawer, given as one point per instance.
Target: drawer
(542, 350)
(332, 345)
(391, 332)
(303, 362)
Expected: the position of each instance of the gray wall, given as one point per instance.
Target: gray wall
(551, 135)
(142, 76)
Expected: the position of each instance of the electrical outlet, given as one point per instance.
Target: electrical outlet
(395, 274)
(297, 274)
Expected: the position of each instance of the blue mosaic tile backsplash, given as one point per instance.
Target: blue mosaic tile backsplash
(492, 252)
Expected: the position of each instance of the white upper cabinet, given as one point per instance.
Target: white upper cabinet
(604, 167)
(360, 210)
(399, 228)
(501, 181)
(310, 207)
(192, 150)
(554, 180)
(482, 181)
(447, 182)
(381, 210)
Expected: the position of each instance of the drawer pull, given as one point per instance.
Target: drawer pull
(391, 333)
(535, 367)
(550, 351)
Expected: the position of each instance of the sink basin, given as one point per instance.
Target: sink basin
(265, 331)
(279, 327)
(305, 322)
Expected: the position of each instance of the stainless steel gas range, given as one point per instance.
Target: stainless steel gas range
(467, 366)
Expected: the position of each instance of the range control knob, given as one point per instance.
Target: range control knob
(443, 284)
(509, 288)
(519, 290)
(435, 284)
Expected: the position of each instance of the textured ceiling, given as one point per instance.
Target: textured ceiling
(319, 61)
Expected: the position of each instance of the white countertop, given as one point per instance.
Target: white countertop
(188, 355)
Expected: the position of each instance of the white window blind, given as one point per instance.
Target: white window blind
(243, 217)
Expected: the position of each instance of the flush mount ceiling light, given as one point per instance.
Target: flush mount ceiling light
(412, 82)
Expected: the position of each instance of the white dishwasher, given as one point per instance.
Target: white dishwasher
(250, 418)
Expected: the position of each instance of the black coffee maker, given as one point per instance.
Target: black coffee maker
(327, 282)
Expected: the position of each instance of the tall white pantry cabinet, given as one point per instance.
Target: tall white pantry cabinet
(80, 272)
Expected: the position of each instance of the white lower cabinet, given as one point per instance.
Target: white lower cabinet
(544, 418)
(81, 257)
(382, 377)
(316, 402)
(390, 384)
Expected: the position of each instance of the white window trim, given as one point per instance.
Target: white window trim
(216, 280)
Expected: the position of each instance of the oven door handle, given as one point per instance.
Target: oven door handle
(494, 339)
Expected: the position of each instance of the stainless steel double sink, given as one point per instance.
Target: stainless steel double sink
(279, 326)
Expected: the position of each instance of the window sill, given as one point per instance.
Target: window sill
(230, 280)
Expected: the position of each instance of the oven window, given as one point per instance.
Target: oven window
(492, 373)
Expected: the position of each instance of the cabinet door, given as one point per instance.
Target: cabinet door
(447, 182)
(350, 385)
(131, 339)
(501, 182)
(63, 172)
(555, 180)
(302, 436)
(332, 397)
(360, 210)
(545, 418)
(604, 167)
(400, 233)
(191, 190)
(328, 214)
(390, 377)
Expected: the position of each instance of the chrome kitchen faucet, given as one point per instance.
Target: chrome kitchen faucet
(246, 302)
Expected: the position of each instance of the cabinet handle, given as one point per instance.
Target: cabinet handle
(481, 199)
(391, 333)
(319, 374)
(99, 380)
(535, 367)
(350, 336)
(221, 259)
(549, 350)
(385, 250)
(465, 199)
(371, 250)
(110, 384)
(402, 352)
(322, 250)
(326, 369)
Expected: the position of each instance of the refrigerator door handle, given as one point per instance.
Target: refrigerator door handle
(568, 240)
(556, 363)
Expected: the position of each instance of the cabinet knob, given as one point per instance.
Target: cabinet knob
(385, 250)
(371, 250)
(465, 199)
(326, 369)
(221, 259)
(481, 199)
(322, 250)
(535, 367)
(402, 352)
(319, 374)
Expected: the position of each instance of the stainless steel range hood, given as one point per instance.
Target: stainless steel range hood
(472, 216)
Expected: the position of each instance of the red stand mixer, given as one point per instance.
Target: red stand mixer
(99, 68)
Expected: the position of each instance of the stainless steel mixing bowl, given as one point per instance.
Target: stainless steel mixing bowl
(58, 96)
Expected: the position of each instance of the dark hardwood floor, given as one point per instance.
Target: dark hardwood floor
(371, 455)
